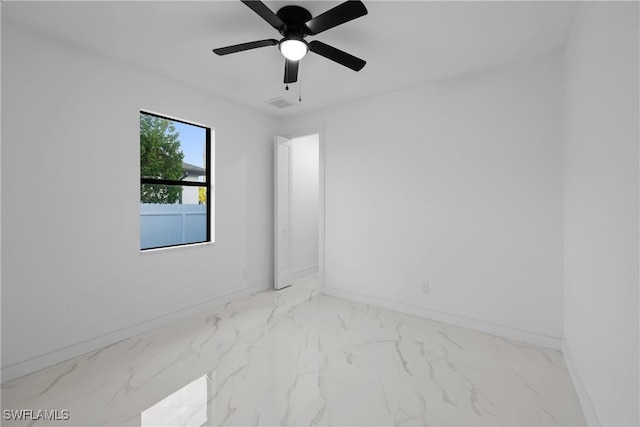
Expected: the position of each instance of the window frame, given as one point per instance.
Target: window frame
(206, 185)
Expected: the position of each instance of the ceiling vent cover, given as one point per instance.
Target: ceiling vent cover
(280, 102)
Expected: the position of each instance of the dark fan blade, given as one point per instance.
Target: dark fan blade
(291, 71)
(265, 13)
(245, 46)
(340, 14)
(337, 55)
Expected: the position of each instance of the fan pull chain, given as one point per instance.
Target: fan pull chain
(286, 87)
(300, 92)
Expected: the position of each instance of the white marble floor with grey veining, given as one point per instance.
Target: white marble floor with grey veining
(295, 357)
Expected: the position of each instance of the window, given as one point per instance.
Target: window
(175, 182)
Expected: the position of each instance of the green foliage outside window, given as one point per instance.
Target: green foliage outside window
(160, 158)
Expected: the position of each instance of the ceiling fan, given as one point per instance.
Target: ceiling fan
(295, 23)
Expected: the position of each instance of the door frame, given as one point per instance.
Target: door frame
(280, 280)
(321, 196)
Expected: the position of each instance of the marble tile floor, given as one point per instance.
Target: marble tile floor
(296, 357)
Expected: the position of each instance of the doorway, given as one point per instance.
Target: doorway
(299, 206)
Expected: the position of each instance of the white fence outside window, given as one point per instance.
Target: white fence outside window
(171, 224)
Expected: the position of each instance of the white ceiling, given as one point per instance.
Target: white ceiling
(405, 43)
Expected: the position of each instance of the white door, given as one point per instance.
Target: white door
(282, 214)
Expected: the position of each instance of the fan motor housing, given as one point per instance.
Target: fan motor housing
(294, 18)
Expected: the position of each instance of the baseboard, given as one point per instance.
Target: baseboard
(452, 319)
(583, 395)
(305, 272)
(25, 367)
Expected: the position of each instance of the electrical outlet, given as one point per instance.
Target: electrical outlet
(425, 288)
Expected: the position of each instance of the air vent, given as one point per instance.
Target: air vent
(280, 102)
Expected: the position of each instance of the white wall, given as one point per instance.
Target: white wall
(73, 278)
(304, 204)
(457, 184)
(601, 210)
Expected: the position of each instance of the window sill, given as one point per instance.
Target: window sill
(174, 248)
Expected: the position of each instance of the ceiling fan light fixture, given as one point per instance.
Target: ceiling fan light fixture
(294, 49)
(294, 23)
